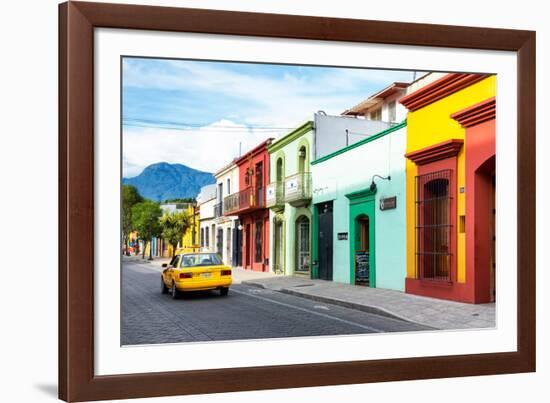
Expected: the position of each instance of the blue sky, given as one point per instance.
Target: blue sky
(197, 112)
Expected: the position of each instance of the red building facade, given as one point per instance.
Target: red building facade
(480, 125)
(249, 205)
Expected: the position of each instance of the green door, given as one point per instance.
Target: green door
(362, 238)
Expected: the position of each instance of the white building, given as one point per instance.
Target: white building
(206, 200)
(358, 197)
(227, 245)
(382, 106)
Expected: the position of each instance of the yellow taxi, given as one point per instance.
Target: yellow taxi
(195, 272)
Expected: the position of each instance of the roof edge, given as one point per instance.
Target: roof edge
(290, 137)
(360, 143)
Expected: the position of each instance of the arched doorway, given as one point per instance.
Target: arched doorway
(302, 244)
(362, 250)
(278, 245)
(484, 230)
(362, 237)
(493, 236)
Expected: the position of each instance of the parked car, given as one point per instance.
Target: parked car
(195, 272)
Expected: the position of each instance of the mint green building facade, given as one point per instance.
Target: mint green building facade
(288, 196)
(359, 229)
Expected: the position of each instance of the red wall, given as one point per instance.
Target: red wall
(250, 219)
(480, 164)
(250, 160)
(244, 163)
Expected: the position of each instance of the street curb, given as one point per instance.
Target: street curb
(345, 304)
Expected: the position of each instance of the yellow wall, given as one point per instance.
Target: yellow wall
(430, 125)
(187, 240)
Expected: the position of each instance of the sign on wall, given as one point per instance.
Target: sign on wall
(291, 185)
(270, 192)
(388, 203)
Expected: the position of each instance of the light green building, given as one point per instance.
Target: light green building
(288, 196)
(358, 205)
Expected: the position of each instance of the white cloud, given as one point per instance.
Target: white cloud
(292, 99)
(260, 100)
(208, 148)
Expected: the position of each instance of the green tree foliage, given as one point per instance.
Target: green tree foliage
(146, 221)
(130, 197)
(180, 200)
(174, 226)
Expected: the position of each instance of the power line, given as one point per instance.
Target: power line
(191, 126)
(182, 129)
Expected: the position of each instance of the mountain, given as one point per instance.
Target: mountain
(162, 181)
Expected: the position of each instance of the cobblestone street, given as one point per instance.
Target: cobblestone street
(148, 317)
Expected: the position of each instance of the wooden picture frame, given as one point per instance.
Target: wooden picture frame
(77, 21)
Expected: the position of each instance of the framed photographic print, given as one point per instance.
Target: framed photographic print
(257, 201)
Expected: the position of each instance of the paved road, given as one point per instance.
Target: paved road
(149, 317)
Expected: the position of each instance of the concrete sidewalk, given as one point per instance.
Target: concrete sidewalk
(435, 313)
(156, 263)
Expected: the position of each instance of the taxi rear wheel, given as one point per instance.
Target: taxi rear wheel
(224, 291)
(163, 288)
(174, 291)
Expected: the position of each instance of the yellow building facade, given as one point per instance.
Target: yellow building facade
(190, 240)
(436, 159)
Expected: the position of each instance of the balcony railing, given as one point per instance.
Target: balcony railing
(297, 189)
(274, 195)
(218, 209)
(245, 200)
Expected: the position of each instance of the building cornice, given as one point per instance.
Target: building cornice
(446, 149)
(255, 151)
(362, 107)
(476, 114)
(361, 196)
(445, 86)
(290, 137)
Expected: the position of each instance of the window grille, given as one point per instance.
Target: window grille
(433, 226)
(258, 242)
(302, 227)
(219, 241)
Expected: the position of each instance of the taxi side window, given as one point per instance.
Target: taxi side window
(175, 261)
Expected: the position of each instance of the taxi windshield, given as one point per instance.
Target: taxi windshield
(200, 259)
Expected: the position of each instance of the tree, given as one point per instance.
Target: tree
(174, 226)
(180, 200)
(130, 197)
(146, 221)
